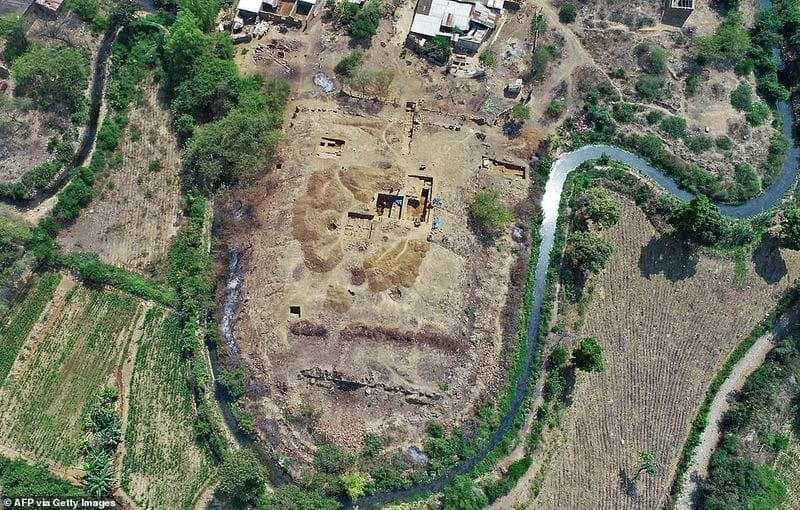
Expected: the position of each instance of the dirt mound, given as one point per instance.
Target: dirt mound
(436, 339)
(363, 182)
(398, 265)
(316, 219)
(337, 299)
(357, 275)
(307, 328)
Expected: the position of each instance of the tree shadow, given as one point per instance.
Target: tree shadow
(674, 258)
(768, 261)
(627, 484)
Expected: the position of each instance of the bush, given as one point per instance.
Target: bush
(556, 108)
(540, 61)
(746, 179)
(12, 30)
(700, 143)
(758, 113)
(588, 356)
(54, 78)
(699, 220)
(243, 477)
(332, 459)
(623, 112)
(488, 59)
(654, 116)
(463, 495)
(724, 143)
(692, 82)
(651, 87)
(601, 208)
(742, 97)
(652, 58)
(348, 66)
(567, 13)
(673, 126)
(488, 213)
(438, 48)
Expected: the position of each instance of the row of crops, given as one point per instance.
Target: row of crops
(162, 466)
(21, 319)
(77, 353)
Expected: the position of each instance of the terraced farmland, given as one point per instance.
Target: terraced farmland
(668, 320)
(77, 349)
(162, 467)
(21, 318)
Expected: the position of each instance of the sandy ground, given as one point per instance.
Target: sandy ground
(754, 358)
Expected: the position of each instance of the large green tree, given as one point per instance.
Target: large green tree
(243, 477)
(12, 31)
(488, 213)
(463, 495)
(588, 356)
(54, 78)
(589, 251)
(699, 220)
(231, 148)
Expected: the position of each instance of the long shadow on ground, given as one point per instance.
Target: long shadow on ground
(768, 261)
(667, 255)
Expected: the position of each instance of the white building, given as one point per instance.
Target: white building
(466, 24)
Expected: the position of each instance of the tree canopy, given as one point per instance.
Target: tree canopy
(365, 22)
(12, 30)
(54, 78)
(791, 227)
(243, 477)
(588, 356)
(589, 251)
(699, 220)
(463, 495)
(601, 208)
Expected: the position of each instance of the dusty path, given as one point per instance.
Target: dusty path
(754, 358)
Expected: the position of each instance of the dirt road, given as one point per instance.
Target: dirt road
(754, 358)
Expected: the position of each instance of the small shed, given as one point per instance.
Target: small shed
(248, 8)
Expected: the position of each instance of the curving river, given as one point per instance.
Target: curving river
(562, 167)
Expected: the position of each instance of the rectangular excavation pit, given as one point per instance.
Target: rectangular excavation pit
(359, 225)
(505, 168)
(330, 147)
(418, 198)
(389, 206)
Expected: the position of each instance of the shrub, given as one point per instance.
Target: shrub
(438, 48)
(673, 126)
(488, 59)
(54, 78)
(332, 459)
(601, 208)
(540, 60)
(348, 66)
(623, 112)
(758, 113)
(699, 220)
(567, 13)
(243, 477)
(700, 143)
(521, 112)
(589, 252)
(588, 356)
(652, 58)
(556, 108)
(654, 116)
(463, 495)
(692, 82)
(742, 97)
(651, 87)
(724, 143)
(488, 213)
(746, 179)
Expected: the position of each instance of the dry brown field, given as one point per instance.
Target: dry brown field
(136, 209)
(667, 320)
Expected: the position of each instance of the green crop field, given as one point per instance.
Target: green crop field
(83, 341)
(20, 320)
(788, 467)
(162, 467)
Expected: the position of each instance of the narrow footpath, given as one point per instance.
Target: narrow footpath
(754, 358)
